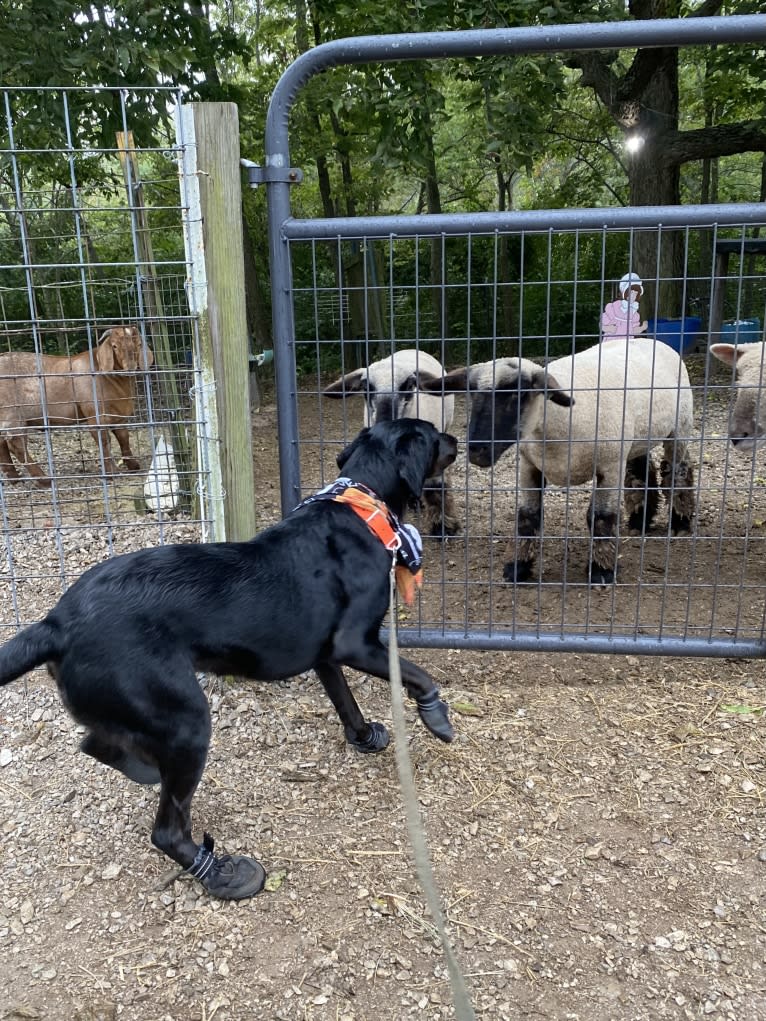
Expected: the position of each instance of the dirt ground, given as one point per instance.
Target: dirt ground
(597, 829)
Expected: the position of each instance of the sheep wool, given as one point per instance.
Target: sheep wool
(592, 417)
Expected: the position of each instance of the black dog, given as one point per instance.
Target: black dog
(310, 592)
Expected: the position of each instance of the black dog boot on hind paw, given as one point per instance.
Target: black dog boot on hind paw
(230, 877)
(435, 715)
(376, 740)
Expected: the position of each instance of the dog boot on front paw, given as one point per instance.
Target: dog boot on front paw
(376, 740)
(230, 876)
(435, 715)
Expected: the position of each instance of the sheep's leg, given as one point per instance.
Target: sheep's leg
(641, 493)
(18, 447)
(439, 516)
(602, 521)
(122, 436)
(529, 516)
(678, 486)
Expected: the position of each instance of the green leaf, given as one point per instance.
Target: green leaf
(466, 709)
(274, 880)
(743, 710)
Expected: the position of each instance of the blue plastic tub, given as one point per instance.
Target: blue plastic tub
(742, 331)
(681, 334)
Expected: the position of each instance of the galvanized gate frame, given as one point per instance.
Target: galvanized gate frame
(278, 176)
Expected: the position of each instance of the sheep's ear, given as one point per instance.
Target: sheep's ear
(351, 383)
(427, 381)
(545, 381)
(726, 353)
(561, 397)
(345, 454)
(455, 380)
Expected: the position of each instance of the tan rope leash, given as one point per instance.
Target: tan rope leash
(460, 998)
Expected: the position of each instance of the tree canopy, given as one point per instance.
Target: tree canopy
(418, 137)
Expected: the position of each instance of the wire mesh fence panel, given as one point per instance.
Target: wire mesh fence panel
(689, 557)
(97, 343)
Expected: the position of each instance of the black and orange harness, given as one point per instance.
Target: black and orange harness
(397, 537)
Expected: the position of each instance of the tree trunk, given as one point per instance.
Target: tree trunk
(211, 71)
(643, 101)
(657, 255)
(258, 319)
(504, 201)
(654, 179)
(748, 296)
(439, 293)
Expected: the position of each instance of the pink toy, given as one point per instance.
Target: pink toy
(621, 318)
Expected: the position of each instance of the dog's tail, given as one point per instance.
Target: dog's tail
(32, 647)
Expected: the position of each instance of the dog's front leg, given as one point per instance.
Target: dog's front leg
(367, 737)
(373, 659)
(432, 709)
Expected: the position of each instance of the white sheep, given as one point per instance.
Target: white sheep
(747, 422)
(390, 387)
(590, 417)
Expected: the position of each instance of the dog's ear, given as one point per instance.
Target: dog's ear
(415, 454)
(345, 454)
(413, 478)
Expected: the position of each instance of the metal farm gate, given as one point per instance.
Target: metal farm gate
(699, 594)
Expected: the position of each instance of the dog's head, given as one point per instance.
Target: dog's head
(395, 458)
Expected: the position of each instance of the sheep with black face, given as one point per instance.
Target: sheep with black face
(390, 389)
(593, 417)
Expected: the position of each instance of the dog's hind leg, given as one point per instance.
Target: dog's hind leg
(228, 876)
(113, 755)
(373, 659)
(367, 737)
(153, 724)
(181, 761)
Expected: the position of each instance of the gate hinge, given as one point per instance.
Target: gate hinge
(257, 174)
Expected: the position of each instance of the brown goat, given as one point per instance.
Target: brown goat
(45, 390)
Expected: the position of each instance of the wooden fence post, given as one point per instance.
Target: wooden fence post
(209, 134)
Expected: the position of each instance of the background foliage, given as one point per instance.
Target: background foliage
(494, 133)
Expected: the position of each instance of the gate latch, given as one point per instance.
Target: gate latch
(257, 174)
